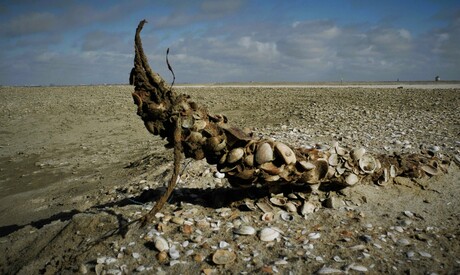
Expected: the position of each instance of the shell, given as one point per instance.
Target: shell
(195, 137)
(285, 152)
(249, 160)
(367, 164)
(351, 179)
(291, 207)
(333, 160)
(268, 234)
(285, 216)
(245, 230)
(199, 125)
(307, 208)
(392, 171)
(161, 244)
(316, 175)
(340, 151)
(270, 178)
(235, 155)
(278, 201)
(264, 153)
(245, 174)
(268, 216)
(271, 169)
(430, 170)
(357, 154)
(222, 257)
(307, 165)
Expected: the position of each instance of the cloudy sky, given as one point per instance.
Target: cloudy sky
(91, 42)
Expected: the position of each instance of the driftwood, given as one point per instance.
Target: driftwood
(195, 133)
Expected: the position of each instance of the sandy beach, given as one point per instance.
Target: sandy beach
(76, 164)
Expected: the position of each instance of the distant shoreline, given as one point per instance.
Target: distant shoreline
(353, 84)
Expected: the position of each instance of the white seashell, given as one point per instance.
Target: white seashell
(285, 152)
(268, 216)
(307, 165)
(268, 234)
(351, 179)
(174, 253)
(285, 216)
(333, 160)
(245, 230)
(357, 154)
(235, 155)
(431, 170)
(291, 207)
(340, 151)
(264, 153)
(161, 244)
(278, 201)
(314, 235)
(367, 164)
(249, 160)
(392, 171)
(307, 208)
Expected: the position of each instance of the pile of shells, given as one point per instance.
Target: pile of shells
(246, 160)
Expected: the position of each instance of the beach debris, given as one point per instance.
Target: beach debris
(246, 160)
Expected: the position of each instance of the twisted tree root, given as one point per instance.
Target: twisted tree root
(191, 130)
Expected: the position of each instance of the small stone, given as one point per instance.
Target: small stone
(162, 257)
(314, 235)
(359, 268)
(219, 175)
(408, 214)
(333, 202)
(161, 244)
(136, 255)
(177, 220)
(174, 253)
(410, 254)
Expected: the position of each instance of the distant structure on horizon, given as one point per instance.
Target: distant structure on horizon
(437, 78)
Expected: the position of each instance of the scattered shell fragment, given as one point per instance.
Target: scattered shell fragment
(307, 208)
(245, 230)
(285, 216)
(268, 216)
(268, 234)
(328, 270)
(222, 257)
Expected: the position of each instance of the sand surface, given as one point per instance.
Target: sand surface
(76, 163)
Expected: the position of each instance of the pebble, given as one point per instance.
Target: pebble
(408, 214)
(403, 242)
(359, 268)
(410, 254)
(219, 175)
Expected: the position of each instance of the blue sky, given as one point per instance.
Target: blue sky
(91, 42)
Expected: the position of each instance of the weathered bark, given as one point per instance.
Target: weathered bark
(246, 160)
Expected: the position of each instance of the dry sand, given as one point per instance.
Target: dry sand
(77, 163)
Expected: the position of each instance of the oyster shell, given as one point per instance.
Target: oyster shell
(285, 152)
(333, 159)
(271, 169)
(307, 165)
(264, 153)
(430, 170)
(278, 201)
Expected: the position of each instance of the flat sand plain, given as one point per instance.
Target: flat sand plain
(77, 163)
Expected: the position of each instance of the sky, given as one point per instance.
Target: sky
(92, 42)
